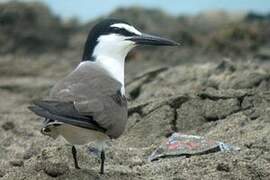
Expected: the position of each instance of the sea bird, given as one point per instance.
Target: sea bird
(89, 104)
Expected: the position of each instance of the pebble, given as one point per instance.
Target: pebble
(8, 126)
(16, 162)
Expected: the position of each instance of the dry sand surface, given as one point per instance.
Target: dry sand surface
(229, 102)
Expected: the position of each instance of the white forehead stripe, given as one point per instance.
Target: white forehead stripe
(127, 27)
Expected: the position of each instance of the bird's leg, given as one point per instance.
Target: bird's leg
(102, 157)
(74, 153)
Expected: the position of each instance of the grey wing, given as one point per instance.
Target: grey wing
(92, 99)
(64, 112)
(87, 82)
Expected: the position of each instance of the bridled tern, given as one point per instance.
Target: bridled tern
(89, 104)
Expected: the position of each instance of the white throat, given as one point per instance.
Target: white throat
(115, 67)
(110, 53)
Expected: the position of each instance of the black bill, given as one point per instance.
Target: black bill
(147, 39)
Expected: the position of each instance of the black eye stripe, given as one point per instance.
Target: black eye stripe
(122, 31)
(104, 27)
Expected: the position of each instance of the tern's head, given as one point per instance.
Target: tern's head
(115, 38)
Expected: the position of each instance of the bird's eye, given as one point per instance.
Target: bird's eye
(121, 31)
(116, 30)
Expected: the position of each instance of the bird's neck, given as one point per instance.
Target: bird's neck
(112, 58)
(115, 66)
(110, 53)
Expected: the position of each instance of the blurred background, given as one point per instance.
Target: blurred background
(51, 33)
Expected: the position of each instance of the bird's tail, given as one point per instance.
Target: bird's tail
(50, 126)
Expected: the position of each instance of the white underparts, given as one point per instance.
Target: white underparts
(79, 136)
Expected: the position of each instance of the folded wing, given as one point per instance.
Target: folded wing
(65, 112)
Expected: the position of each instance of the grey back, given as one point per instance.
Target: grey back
(94, 93)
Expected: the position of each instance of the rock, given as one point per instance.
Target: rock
(199, 111)
(15, 16)
(223, 167)
(215, 94)
(198, 99)
(263, 53)
(151, 128)
(29, 153)
(53, 169)
(16, 162)
(2, 173)
(134, 86)
(225, 65)
(8, 126)
(248, 80)
(54, 172)
(190, 111)
(214, 110)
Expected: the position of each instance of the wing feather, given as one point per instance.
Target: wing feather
(64, 112)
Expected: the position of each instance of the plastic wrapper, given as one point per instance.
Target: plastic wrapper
(179, 144)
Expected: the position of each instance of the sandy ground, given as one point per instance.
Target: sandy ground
(229, 102)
